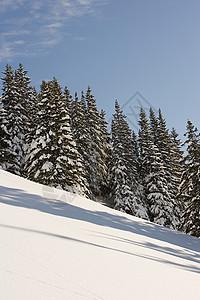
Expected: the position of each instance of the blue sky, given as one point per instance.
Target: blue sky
(116, 47)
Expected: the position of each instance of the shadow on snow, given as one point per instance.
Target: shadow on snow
(190, 245)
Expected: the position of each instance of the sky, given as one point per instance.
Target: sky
(141, 52)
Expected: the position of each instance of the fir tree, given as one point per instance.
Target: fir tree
(25, 93)
(177, 160)
(80, 134)
(106, 144)
(96, 153)
(7, 158)
(154, 126)
(158, 201)
(14, 99)
(68, 99)
(165, 147)
(168, 150)
(123, 168)
(52, 158)
(190, 183)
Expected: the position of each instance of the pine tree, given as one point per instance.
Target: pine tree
(190, 183)
(160, 207)
(97, 156)
(106, 144)
(154, 126)
(135, 144)
(32, 124)
(80, 134)
(52, 158)
(165, 147)
(68, 99)
(24, 91)
(123, 168)
(7, 158)
(168, 150)
(177, 160)
(14, 104)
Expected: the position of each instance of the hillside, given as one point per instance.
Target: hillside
(55, 245)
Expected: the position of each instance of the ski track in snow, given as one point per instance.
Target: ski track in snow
(91, 295)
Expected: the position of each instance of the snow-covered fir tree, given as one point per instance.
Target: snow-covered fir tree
(190, 183)
(81, 134)
(14, 98)
(160, 206)
(165, 147)
(68, 99)
(154, 125)
(33, 110)
(52, 157)
(168, 151)
(7, 158)
(106, 144)
(177, 160)
(96, 151)
(123, 174)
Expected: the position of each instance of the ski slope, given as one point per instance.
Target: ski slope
(55, 245)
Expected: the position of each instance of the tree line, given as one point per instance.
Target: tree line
(62, 141)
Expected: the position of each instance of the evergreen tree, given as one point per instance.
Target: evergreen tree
(68, 99)
(7, 158)
(168, 150)
(190, 183)
(154, 126)
(135, 144)
(106, 144)
(80, 134)
(32, 124)
(177, 160)
(97, 156)
(52, 158)
(165, 147)
(83, 103)
(33, 110)
(123, 168)
(158, 201)
(14, 104)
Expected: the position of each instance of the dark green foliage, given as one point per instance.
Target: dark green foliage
(97, 156)
(52, 158)
(155, 178)
(7, 158)
(80, 134)
(68, 99)
(190, 183)
(106, 144)
(16, 93)
(123, 168)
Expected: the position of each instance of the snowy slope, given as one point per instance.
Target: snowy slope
(54, 245)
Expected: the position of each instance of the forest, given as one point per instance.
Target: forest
(56, 139)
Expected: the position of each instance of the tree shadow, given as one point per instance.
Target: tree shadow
(18, 197)
(186, 267)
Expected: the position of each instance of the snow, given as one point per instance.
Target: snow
(57, 245)
(47, 166)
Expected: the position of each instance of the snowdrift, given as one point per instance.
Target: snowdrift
(55, 245)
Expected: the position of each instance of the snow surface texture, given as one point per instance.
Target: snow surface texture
(55, 245)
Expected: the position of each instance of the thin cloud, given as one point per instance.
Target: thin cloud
(8, 50)
(79, 38)
(16, 33)
(85, 2)
(44, 22)
(10, 5)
